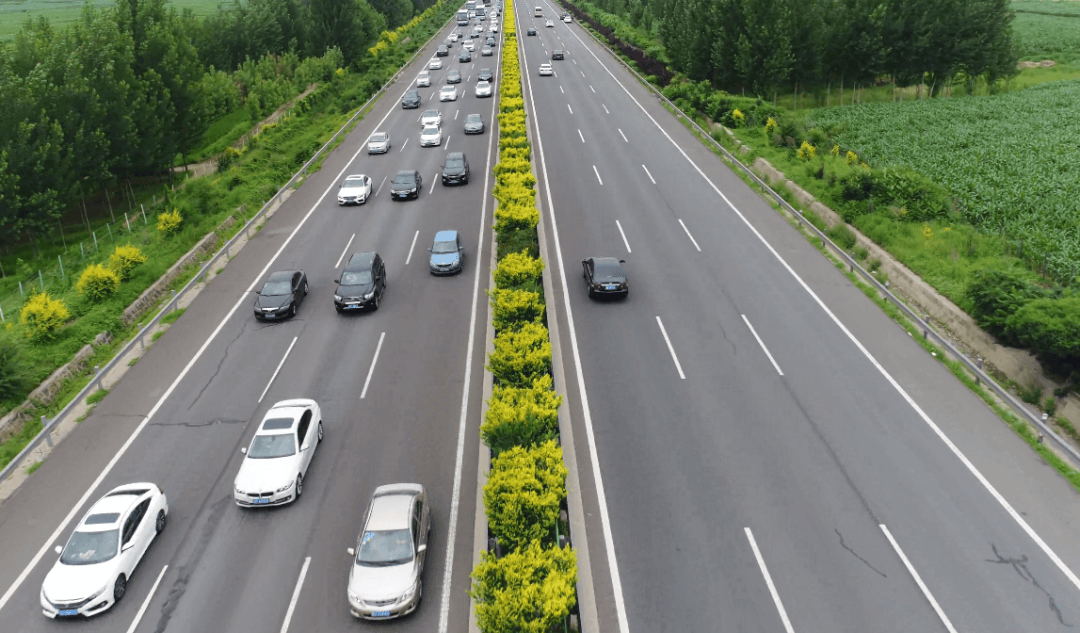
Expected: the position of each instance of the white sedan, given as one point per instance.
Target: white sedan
(274, 466)
(549, 23)
(431, 117)
(431, 136)
(469, 45)
(103, 551)
(545, 70)
(435, 64)
(378, 143)
(483, 89)
(494, 28)
(355, 190)
(568, 19)
(423, 78)
(448, 93)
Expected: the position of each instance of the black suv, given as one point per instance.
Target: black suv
(361, 284)
(411, 99)
(442, 51)
(556, 54)
(484, 75)
(406, 184)
(455, 169)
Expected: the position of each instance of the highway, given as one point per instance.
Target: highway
(399, 390)
(761, 448)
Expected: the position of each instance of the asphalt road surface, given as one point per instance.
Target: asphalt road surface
(774, 453)
(398, 387)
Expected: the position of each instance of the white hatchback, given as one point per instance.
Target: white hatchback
(545, 70)
(275, 463)
(483, 89)
(435, 64)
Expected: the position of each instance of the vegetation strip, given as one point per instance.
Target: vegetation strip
(526, 488)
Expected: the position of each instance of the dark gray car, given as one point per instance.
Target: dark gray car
(362, 283)
(605, 277)
(474, 124)
(281, 295)
(456, 169)
(485, 74)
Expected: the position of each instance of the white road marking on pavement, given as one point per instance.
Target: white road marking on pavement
(459, 460)
(433, 182)
(561, 90)
(648, 174)
(456, 112)
(582, 72)
(403, 145)
(409, 258)
(873, 361)
(688, 235)
(569, 108)
(345, 250)
(918, 579)
(295, 596)
(598, 481)
(380, 187)
(172, 387)
(769, 582)
(670, 348)
(146, 603)
(575, 61)
(595, 171)
(591, 88)
(371, 370)
(446, 143)
(622, 135)
(605, 108)
(263, 395)
(624, 241)
(762, 344)
(581, 135)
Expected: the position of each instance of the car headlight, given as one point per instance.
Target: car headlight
(409, 593)
(369, 295)
(284, 488)
(337, 297)
(355, 598)
(237, 490)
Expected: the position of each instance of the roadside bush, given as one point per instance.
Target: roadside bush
(523, 494)
(518, 268)
(97, 282)
(1050, 328)
(14, 374)
(508, 165)
(995, 296)
(521, 356)
(842, 235)
(514, 216)
(513, 308)
(531, 590)
(521, 416)
(169, 222)
(43, 316)
(514, 185)
(124, 260)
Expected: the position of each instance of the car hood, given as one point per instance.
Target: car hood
(354, 191)
(69, 583)
(444, 259)
(400, 187)
(358, 290)
(266, 475)
(454, 171)
(428, 137)
(474, 126)
(381, 583)
(272, 301)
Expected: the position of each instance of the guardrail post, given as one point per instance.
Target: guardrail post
(21, 293)
(926, 326)
(979, 363)
(48, 436)
(94, 233)
(1045, 416)
(1, 314)
(41, 278)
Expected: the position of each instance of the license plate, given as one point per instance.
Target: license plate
(610, 287)
(354, 305)
(269, 315)
(261, 501)
(380, 614)
(68, 612)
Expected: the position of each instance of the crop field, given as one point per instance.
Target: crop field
(1048, 30)
(62, 13)
(1011, 159)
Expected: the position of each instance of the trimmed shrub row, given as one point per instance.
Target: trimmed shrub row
(532, 586)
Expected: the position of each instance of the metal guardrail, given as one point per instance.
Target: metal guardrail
(140, 339)
(973, 366)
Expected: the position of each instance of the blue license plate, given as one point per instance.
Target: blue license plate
(270, 315)
(354, 305)
(68, 612)
(261, 501)
(380, 614)
(611, 287)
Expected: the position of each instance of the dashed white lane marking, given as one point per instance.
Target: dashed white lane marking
(346, 249)
(263, 395)
(581, 135)
(624, 240)
(688, 235)
(569, 108)
(146, 603)
(622, 135)
(295, 596)
(605, 108)
(648, 174)
(409, 258)
(597, 172)
(371, 370)
(762, 344)
(670, 348)
(769, 583)
(918, 579)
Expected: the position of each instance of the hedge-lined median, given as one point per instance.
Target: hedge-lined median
(531, 587)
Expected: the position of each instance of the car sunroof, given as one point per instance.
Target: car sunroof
(102, 518)
(276, 424)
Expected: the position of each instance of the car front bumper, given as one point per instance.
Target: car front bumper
(261, 499)
(452, 269)
(352, 199)
(77, 609)
(354, 305)
(368, 611)
(277, 314)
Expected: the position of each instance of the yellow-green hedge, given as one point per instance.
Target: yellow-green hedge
(43, 316)
(124, 260)
(518, 268)
(521, 356)
(97, 282)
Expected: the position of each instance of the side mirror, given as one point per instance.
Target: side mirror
(622, 261)
(429, 250)
(243, 449)
(258, 292)
(59, 549)
(351, 552)
(338, 280)
(420, 550)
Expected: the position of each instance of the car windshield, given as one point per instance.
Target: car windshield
(472, 118)
(404, 179)
(448, 89)
(88, 548)
(444, 247)
(430, 131)
(378, 137)
(454, 163)
(276, 289)
(271, 446)
(356, 278)
(382, 549)
(355, 182)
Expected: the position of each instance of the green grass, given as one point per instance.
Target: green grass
(33, 468)
(64, 13)
(1044, 36)
(97, 396)
(223, 133)
(173, 316)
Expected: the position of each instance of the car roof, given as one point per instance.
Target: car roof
(361, 261)
(390, 512)
(359, 176)
(446, 236)
(109, 504)
(471, 116)
(281, 275)
(608, 265)
(450, 155)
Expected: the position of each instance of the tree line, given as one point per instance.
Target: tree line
(760, 46)
(133, 85)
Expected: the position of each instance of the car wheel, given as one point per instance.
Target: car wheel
(305, 288)
(119, 588)
(159, 525)
(378, 296)
(299, 485)
(292, 310)
(320, 430)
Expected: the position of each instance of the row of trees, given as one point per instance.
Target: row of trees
(762, 45)
(133, 85)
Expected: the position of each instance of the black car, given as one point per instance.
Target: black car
(281, 295)
(531, 31)
(605, 277)
(442, 51)
(556, 54)
(362, 283)
(456, 169)
(465, 56)
(453, 77)
(406, 184)
(411, 99)
(474, 124)
(491, 41)
(484, 75)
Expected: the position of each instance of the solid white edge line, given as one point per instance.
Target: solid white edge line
(769, 582)
(689, 235)
(371, 370)
(888, 377)
(648, 174)
(146, 603)
(597, 172)
(455, 500)
(601, 494)
(411, 247)
(295, 596)
(918, 579)
(670, 348)
(624, 240)
(168, 392)
(267, 388)
(345, 250)
(762, 344)
(622, 135)
(581, 135)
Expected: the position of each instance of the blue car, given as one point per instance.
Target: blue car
(447, 254)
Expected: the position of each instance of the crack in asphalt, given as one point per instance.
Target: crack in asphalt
(218, 369)
(184, 575)
(1020, 566)
(194, 425)
(865, 562)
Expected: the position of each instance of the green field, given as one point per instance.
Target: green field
(61, 13)
(1010, 159)
(1048, 30)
